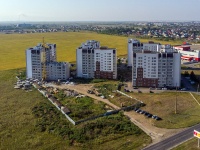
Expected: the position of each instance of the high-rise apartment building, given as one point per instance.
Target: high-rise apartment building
(94, 61)
(133, 46)
(41, 63)
(156, 69)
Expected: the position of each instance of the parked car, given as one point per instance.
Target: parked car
(188, 78)
(149, 115)
(146, 113)
(183, 89)
(142, 112)
(138, 111)
(156, 117)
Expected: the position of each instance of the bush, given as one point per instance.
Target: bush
(52, 121)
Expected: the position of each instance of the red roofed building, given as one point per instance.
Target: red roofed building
(187, 53)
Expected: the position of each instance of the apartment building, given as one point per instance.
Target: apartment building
(85, 59)
(136, 46)
(105, 60)
(94, 61)
(133, 46)
(156, 69)
(41, 63)
(57, 70)
(151, 46)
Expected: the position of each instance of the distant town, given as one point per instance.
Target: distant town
(189, 31)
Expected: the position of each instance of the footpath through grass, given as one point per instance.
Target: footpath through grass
(30, 121)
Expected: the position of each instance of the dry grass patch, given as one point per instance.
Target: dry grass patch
(191, 144)
(163, 105)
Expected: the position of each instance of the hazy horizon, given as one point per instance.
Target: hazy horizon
(99, 11)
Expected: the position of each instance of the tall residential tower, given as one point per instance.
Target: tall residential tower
(41, 63)
(94, 61)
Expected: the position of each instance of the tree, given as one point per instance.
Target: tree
(119, 61)
(186, 74)
(193, 76)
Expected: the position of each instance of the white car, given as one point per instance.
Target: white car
(183, 89)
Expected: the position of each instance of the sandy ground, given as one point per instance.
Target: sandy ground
(157, 134)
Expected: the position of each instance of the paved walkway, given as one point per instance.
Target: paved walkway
(157, 134)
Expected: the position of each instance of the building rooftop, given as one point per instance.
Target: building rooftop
(105, 48)
(195, 47)
(152, 42)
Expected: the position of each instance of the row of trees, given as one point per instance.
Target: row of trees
(192, 76)
(117, 31)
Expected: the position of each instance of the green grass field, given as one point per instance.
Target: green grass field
(163, 105)
(20, 127)
(13, 46)
(189, 145)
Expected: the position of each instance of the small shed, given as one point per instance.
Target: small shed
(53, 99)
(65, 110)
(58, 104)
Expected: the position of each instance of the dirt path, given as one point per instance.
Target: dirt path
(157, 134)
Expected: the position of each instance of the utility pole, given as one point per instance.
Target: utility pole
(176, 101)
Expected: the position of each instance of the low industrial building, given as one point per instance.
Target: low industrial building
(189, 52)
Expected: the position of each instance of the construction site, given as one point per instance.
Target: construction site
(42, 64)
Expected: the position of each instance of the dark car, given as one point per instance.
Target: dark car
(138, 111)
(142, 112)
(146, 113)
(149, 115)
(156, 117)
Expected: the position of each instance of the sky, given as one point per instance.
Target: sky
(99, 10)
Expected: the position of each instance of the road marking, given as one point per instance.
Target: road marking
(194, 98)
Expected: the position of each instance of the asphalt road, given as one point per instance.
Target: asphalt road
(174, 140)
(187, 84)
